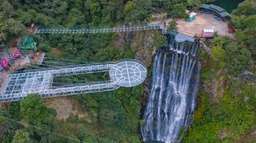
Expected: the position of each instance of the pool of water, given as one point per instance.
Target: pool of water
(228, 5)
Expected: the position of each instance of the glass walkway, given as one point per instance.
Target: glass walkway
(126, 73)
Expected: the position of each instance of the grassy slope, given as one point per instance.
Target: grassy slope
(227, 115)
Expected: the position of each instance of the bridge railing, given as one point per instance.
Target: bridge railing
(95, 30)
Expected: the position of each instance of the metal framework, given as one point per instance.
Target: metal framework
(126, 73)
(96, 30)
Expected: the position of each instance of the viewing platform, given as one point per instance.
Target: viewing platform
(126, 73)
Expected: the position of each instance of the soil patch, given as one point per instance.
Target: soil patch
(65, 107)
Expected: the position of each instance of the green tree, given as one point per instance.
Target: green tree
(177, 11)
(247, 7)
(137, 11)
(172, 25)
(6, 9)
(39, 118)
(33, 111)
(244, 19)
(129, 7)
(218, 53)
(237, 58)
(21, 136)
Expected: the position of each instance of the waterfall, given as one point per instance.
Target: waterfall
(173, 92)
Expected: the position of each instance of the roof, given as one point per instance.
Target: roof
(180, 37)
(205, 6)
(216, 9)
(27, 43)
(224, 14)
(4, 62)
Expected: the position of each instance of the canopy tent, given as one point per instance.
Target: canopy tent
(27, 43)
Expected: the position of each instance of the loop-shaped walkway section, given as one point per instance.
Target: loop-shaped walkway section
(126, 73)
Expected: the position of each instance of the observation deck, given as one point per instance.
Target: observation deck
(126, 73)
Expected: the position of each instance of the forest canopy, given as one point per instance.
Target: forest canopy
(115, 116)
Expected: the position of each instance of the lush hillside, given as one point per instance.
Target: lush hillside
(227, 101)
(227, 115)
(103, 117)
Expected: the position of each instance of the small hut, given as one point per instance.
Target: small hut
(27, 43)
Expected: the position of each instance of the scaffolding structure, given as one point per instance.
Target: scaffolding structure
(126, 73)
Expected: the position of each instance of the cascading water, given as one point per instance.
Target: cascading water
(173, 92)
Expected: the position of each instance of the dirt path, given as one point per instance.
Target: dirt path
(65, 107)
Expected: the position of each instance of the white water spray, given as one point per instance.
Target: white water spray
(173, 92)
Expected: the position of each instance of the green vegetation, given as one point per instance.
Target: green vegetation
(108, 117)
(81, 78)
(228, 119)
(244, 19)
(111, 117)
(229, 54)
(227, 114)
(172, 25)
(21, 137)
(30, 120)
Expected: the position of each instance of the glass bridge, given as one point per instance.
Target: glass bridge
(126, 73)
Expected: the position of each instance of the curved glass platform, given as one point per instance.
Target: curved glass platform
(128, 73)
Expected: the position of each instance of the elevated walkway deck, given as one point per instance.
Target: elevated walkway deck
(126, 73)
(95, 30)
